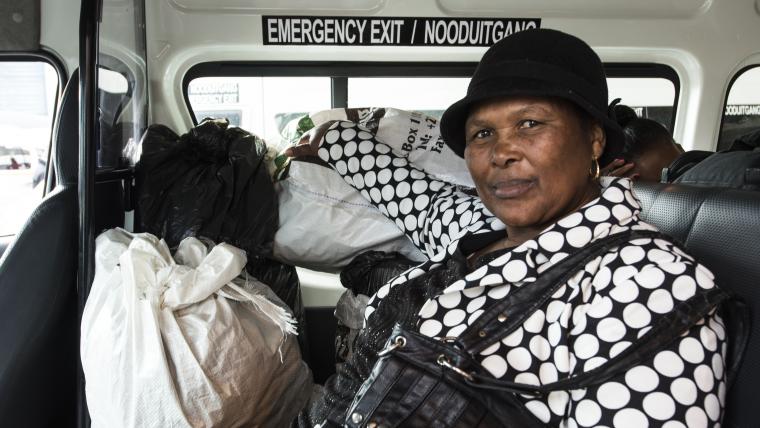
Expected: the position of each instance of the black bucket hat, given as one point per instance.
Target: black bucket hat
(539, 62)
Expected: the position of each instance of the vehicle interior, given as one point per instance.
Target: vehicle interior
(81, 82)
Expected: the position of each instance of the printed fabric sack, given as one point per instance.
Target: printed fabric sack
(324, 222)
(410, 134)
(186, 341)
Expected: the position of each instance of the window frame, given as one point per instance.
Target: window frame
(340, 71)
(59, 67)
(115, 65)
(731, 82)
(648, 70)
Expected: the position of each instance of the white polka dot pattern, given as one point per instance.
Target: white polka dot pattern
(438, 211)
(596, 315)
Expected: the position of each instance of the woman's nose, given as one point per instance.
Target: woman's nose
(505, 151)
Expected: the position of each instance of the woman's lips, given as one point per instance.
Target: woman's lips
(509, 189)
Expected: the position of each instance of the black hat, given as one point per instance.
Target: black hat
(539, 62)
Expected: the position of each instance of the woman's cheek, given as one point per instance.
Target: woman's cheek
(476, 160)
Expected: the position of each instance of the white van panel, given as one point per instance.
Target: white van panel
(602, 9)
(704, 41)
(319, 288)
(59, 31)
(278, 6)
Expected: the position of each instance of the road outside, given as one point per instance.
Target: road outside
(27, 99)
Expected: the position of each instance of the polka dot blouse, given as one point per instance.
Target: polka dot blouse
(598, 313)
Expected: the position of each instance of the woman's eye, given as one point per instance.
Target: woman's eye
(482, 133)
(529, 123)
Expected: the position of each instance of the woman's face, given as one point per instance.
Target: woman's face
(648, 166)
(530, 157)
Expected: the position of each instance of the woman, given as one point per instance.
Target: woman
(533, 129)
(647, 150)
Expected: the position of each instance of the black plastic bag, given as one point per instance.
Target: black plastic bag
(362, 277)
(211, 182)
(371, 270)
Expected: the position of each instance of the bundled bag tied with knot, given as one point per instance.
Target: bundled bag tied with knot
(210, 182)
(186, 341)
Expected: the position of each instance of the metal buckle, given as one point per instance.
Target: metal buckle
(398, 342)
(444, 361)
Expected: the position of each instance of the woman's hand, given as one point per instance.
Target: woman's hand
(310, 141)
(617, 168)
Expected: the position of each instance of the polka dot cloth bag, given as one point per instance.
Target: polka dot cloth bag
(419, 380)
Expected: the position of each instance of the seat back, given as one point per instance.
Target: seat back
(38, 306)
(721, 229)
(683, 163)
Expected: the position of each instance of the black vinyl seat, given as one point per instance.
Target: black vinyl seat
(38, 306)
(721, 228)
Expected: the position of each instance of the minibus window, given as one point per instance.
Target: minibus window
(742, 112)
(264, 97)
(112, 82)
(262, 105)
(429, 95)
(117, 111)
(650, 97)
(28, 92)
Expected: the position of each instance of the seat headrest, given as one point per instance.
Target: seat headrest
(66, 133)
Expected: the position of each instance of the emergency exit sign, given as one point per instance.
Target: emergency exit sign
(363, 31)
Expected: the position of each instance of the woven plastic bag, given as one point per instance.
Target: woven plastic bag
(186, 342)
(324, 222)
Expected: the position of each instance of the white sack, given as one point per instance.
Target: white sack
(171, 345)
(325, 223)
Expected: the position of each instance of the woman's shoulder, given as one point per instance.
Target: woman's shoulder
(658, 264)
(630, 288)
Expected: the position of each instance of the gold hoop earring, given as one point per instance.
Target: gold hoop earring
(595, 171)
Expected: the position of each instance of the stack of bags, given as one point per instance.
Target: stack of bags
(188, 340)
